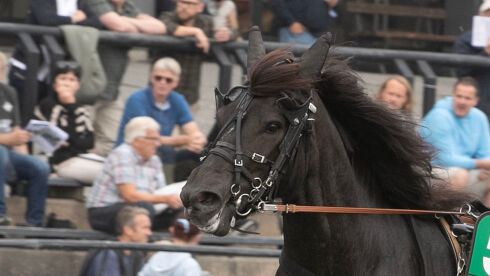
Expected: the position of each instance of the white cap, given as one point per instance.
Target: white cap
(484, 6)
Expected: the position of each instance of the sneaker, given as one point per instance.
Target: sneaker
(5, 221)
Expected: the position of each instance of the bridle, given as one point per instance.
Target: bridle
(262, 193)
(299, 117)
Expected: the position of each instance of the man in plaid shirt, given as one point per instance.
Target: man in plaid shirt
(131, 175)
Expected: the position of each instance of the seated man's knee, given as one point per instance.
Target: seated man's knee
(459, 178)
(148, 206)
(41, 168)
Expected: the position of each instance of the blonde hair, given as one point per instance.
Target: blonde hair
(408, 105)
(168, 63)
(137, 127)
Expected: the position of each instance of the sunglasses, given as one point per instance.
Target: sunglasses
(167, 79)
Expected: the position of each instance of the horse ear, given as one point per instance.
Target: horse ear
(256, 48)
(313, 59)
(219, 98)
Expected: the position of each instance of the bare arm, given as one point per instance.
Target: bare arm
(201, 38)
(483, 164)
(117, 23)
(130, 194)
(148, 24)
(232, 20)
(16, 137)
(191, 137)
(173, 141)
(197, 139)
(21, 149)
(332, 3)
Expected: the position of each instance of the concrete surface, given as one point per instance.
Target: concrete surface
(66, 263)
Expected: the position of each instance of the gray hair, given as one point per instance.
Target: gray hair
(125, 217)
(137, 127)
(168, 63)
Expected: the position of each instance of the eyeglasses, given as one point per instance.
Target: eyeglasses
(188, 3)
(67, 65)
(167, 79)
(153, 139)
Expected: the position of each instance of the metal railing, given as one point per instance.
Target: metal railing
(82, 245)
(52, 233)
(225, 54)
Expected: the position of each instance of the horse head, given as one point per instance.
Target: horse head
(260, 124)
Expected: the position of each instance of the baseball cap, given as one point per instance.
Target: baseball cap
(484, 6)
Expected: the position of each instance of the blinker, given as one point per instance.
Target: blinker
(228, 97)
(292, 109)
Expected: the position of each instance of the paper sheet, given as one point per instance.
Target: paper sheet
(46, 135)
(480, 31)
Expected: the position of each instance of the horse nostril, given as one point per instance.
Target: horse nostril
(206, 198)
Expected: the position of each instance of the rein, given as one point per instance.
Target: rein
(292, 208)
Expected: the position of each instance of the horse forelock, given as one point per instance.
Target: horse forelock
(270, 75)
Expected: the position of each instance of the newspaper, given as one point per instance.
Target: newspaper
(46, 135)
(92, 156)
(480, 31)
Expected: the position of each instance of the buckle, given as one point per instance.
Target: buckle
(258, 158)
(238, 163)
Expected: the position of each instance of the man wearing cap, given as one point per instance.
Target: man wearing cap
(463, 45)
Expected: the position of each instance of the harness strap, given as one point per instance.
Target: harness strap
(454, 245)
(256, 157)
(225, 155)
(292, 208)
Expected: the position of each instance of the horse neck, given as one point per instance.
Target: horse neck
(327, 178)
(322, 169)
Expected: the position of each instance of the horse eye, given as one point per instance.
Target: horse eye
(272, 127)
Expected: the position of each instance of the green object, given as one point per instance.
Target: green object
(480, 255)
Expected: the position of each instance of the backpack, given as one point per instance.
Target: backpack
(136, 261)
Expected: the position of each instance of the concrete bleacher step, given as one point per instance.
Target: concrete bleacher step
(68, 209)
(59, 262)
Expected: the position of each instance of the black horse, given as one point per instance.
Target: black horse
(304, 131)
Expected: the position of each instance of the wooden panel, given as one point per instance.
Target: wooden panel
(395, 10)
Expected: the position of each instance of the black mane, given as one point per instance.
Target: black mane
(384, 147)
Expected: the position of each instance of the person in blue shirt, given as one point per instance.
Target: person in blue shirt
(301, 21)
(460, 134)
(168, 108)
(463, 45)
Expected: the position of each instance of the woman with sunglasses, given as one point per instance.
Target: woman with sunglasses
(168, 107)
(61, 109)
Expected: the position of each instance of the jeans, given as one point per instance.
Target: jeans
(36, 172)
(303, 38)
(104, 218)
(166, 154)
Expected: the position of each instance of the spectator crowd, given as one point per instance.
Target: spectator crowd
(132, 190)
